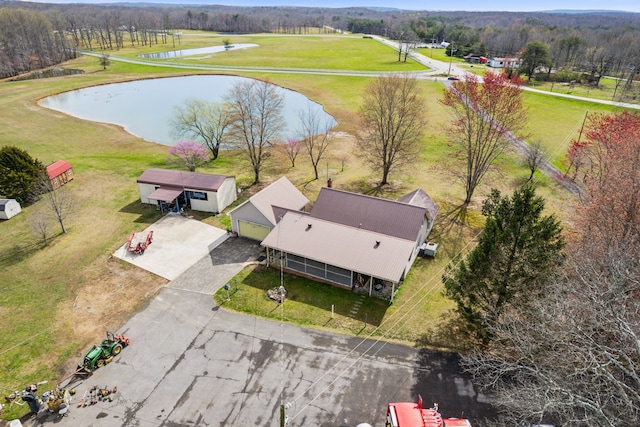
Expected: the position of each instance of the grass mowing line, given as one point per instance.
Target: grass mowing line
(32, 337)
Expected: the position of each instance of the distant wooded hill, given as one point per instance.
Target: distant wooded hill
(585, 45)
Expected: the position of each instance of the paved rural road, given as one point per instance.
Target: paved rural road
(191, 362)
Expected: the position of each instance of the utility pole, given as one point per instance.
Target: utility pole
(450, 58)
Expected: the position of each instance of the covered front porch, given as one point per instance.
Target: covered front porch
(358, 282)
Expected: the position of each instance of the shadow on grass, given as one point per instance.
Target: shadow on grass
(23, 250)
(148, 214)
(372, 187)
(307, 303)
(456, 223)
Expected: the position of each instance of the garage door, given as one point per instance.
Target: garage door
(252, 231)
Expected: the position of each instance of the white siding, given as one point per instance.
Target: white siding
(145, 190)
(227, 193)
(11, 209)
(209, 205)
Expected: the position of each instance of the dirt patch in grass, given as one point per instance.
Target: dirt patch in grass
(112, 292)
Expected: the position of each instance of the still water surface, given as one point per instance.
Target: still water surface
(198, 51)
(145, 107)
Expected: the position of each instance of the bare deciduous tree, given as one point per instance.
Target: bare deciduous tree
(40, 224)
(534, 157)
(572, 356)
(255, 109)
(314, 133)
(392, 123)
(60, 202)
(207, 121)
(485, 115)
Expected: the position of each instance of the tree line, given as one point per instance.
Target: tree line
(29, 41)
(581, 46)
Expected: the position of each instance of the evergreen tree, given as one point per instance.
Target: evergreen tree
(535, 55)
(517, 251)
(19, 174)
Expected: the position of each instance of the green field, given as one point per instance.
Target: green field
(314, 52)
(59, 299)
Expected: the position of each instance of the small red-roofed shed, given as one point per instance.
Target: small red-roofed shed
(60, 172)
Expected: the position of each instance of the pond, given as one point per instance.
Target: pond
(145, 107)
(198, 51)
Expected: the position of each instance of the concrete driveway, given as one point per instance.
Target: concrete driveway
(178, 243)
(193, 363)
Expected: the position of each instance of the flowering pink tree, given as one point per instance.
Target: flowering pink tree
(188, 153)
(292, 148)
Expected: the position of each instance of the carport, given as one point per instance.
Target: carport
(166, 195)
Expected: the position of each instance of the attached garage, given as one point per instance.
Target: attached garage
(257, 216)
(252, 231)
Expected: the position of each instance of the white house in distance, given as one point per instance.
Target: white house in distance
(173, 190)
(504, 62)
(9, 208)
(257, 216)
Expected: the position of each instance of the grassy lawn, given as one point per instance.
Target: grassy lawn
(327, 52)
(60, 299)
(606, 89)
(556, 124)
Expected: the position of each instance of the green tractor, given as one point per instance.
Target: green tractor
(98, 356)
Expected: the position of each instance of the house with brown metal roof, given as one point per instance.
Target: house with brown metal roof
(367, 244)
(173, 190)
(259, 214)
(59, 172)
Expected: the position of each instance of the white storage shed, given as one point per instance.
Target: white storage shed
(9, 208)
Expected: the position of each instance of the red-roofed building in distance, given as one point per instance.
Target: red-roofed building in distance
(59, 172)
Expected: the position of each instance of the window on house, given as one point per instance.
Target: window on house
(197, 195)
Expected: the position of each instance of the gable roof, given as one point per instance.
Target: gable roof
(279, 212)
(4, 203)
(182, 179)
(342, 246)
(382, 216)
(281, 194)
(420, 198)
(57, 168)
